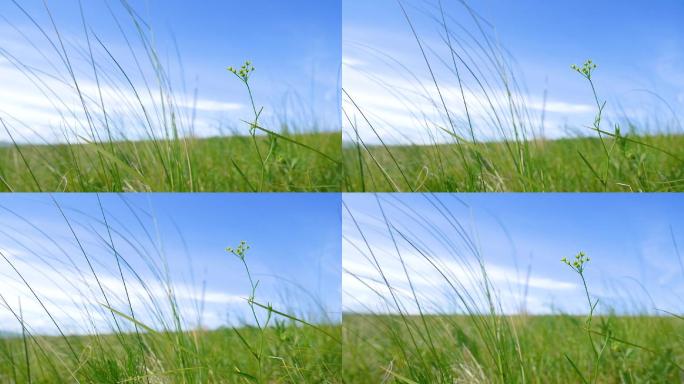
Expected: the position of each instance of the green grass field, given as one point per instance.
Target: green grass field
(134, 125)
(453, 349)
(633, 163)
(427, 304)
(139, 322)
(376, 349)
(270, 346)
(181, 165)
(466, 122)
(293, 354)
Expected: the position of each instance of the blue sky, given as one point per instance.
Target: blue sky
(637, 45)
(295, 47)
(295, 254)
(634, 265)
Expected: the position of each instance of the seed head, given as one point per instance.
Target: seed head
(243, 72)
(586, 69)
(240, 251)
(578, 263)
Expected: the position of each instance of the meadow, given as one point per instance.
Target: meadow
(229, 163)
(107, 304)
(424, 303)
(118, 115)
(510, 349)
(462, 119)
(646, 164)
(292, 354)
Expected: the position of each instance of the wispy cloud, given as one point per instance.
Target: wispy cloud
(76, 302)
(448, 244)
(407, 108)
(41, 108)
(432, 258)
(433, 278)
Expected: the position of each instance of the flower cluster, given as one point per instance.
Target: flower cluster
(243, 72)
(586, 69)
(578, 264)
(240, 251)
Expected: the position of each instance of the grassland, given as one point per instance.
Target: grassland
(452, 349)
(229, 163)
(125, 120)
(425, 303)
(459, 118)
(105, 321)
(295, 355)
(636, 163)
(271, 346)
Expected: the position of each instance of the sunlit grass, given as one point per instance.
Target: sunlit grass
(141, 323)
(550, 165)
(378, 347)
(473, 126)
(296, 355)
(209, 164)
(427, 310)
(121, 118)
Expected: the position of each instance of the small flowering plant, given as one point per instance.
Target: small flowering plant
(241, 252)
(586, 71)
(578, 265)
(257, 350)
(243, 73)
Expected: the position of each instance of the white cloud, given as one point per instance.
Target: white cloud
(348, 62)
(406, 109)
(73, 298)
(427, 273)
(560, 107)
(42, 108)
(212, 105)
